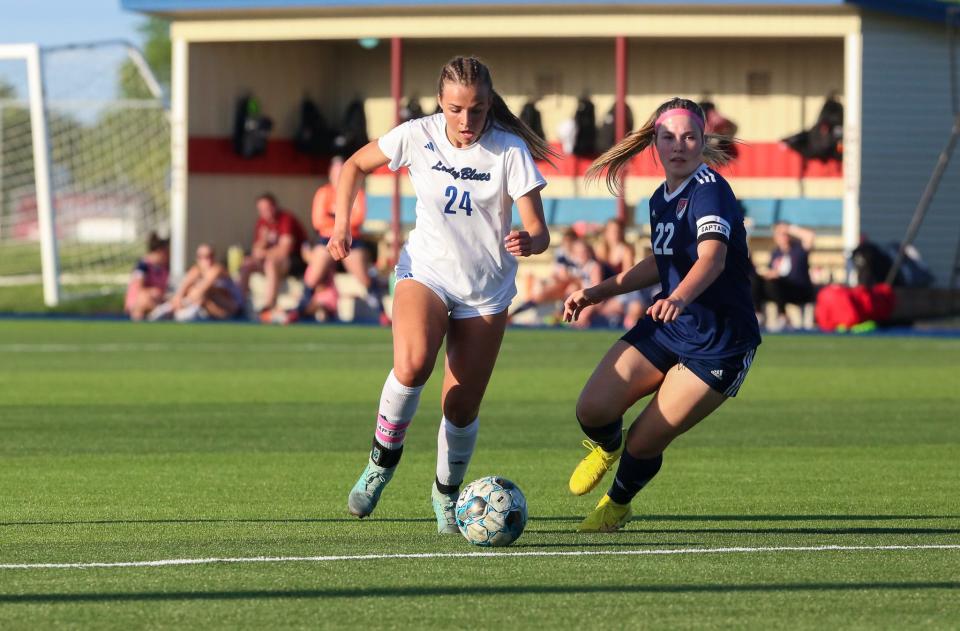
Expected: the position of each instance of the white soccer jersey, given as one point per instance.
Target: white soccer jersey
(464, 205)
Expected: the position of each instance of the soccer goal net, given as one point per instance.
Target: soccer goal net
(84, 166)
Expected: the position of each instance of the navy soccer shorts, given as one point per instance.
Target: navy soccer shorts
(724, 374)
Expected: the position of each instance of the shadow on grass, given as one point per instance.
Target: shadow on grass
(291, 520)
(808, 530)
(619, 543)
(762, 517)
(485, 590)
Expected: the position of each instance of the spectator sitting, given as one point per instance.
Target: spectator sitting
(787, 280)
(206, 292)
(562, 279)
(149, 279)
(278, 237)
(321, 264)
(615, 255)
(586, 273)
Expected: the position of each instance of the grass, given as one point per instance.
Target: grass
(142, 442)
(85, 300)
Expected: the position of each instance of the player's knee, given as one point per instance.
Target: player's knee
(593, 411)
(412, 370)
(461, 415)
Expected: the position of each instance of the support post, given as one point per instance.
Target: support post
(620, 114)
(396, 90)
(46, 213)
(178, 157)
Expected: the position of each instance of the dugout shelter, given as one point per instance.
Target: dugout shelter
(768, 65)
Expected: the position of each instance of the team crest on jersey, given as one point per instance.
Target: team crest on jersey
(681, 208)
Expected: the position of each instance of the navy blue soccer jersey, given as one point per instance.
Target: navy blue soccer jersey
(720, 322)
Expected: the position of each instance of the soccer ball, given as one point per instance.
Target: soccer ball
(491, 511)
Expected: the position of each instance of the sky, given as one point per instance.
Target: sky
(55, 22)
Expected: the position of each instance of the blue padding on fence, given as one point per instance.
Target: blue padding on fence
(568, 210)
(827, 213)
(812, 212)
(379, 206)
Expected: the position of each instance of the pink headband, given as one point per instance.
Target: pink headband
(675, 112)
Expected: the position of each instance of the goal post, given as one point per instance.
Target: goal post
(84, 166)
(49, 257)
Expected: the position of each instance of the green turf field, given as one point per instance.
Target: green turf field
(124, 442)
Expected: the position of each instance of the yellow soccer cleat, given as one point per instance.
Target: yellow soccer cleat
(608, 516)
(591, 469)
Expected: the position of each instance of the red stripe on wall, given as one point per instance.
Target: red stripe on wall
(760, 159)
(216, 156)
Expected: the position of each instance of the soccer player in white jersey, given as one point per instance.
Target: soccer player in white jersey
(694, 348)
(455, 278)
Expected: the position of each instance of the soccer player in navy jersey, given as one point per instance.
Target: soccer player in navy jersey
(693, 349)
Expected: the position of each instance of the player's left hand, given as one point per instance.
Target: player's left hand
(666, 309)
(518, 243)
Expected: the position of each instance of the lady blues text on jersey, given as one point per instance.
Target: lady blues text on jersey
(720, 322)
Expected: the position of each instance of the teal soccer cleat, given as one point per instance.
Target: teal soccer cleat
(445, 507)
(366, 492)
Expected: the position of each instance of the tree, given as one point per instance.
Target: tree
(157, 52)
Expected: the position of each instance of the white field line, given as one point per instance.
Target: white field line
(468, 555)
(226, 347)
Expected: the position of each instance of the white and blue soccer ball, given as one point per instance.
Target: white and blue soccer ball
(491, 511)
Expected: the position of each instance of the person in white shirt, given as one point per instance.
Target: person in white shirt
(456, 275)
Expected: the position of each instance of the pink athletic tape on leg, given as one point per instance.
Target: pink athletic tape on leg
(388, 432)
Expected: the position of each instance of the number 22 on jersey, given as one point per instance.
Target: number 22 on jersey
(452, 193)
(662, 238)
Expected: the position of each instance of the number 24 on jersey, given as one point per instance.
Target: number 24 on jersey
(452, 193)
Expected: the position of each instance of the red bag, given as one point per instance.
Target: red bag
(842, 306)
(836, 307)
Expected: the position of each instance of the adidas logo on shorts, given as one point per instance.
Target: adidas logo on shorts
(718, 373)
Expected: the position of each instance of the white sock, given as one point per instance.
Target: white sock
(187, 314)
(398, 404)
(454, 449)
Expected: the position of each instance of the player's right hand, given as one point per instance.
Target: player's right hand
(339, 245)
(577, 302)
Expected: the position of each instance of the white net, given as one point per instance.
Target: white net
(109, 140)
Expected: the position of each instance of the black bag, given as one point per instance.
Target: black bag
(585, 142)
(353, 132)
(873, 262)
(411, 110)
(314, 137)
(250, 128)
(606, 135)
(531, 116)
(823, 141)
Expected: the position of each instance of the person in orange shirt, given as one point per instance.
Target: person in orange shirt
(319, 291)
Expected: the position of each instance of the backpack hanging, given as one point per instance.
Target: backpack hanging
(353, 132)
(585, 143)
(531, 116)
(313, 137)
(250, 128)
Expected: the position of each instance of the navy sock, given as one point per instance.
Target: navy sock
(447, 489)
(609, 437)
(632, 475)
(305, 298)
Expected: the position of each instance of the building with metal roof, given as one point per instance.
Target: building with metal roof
(767, 65)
